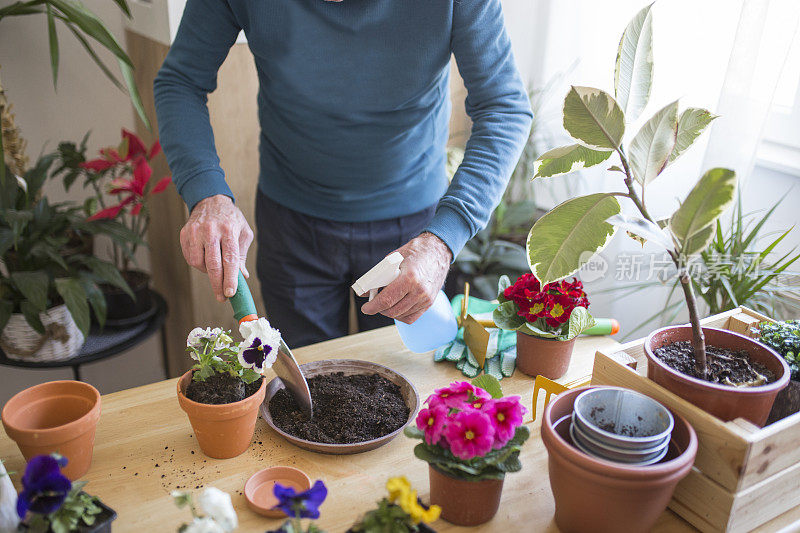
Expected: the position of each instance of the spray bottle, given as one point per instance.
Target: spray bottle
(436, 327)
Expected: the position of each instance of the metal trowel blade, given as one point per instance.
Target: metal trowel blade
(287, 369)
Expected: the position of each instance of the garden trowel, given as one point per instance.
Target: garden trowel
(285, 366)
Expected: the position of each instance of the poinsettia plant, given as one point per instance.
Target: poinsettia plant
(121, 180)
(557, 310)
(470, 431)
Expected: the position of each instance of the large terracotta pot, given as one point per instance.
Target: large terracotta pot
(724, 402)
(55, 417)
(537, 356)
(601, 496)
(223, 431)
(464, 503)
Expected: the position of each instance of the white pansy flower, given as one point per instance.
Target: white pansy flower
(193, 339)
(217, 505)
(204, 525)
(259, 350)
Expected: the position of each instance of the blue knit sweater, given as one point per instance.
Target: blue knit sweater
(353, 105)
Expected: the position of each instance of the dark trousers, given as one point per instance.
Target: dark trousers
(306, 266)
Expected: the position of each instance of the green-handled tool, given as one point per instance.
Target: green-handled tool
(285, 366)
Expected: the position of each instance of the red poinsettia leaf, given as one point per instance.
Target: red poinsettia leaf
(97, 165)
(154, 150)
(161, 185)
(135, 145)
(136, 208)
(108, 212)
(141, 175)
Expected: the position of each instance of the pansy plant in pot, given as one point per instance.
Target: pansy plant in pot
(470, 439)
(222, 392)
(399, 512)
(547, 318)
(120, 178)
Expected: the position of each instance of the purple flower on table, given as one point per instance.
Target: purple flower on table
(300, 504)
(44, 487)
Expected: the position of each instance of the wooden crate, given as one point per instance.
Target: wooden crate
(744, 476)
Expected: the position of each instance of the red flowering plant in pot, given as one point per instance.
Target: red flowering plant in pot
(471, 437)
(547, 318)
(121, 180)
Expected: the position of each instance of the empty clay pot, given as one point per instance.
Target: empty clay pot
(259, 488)
(724, 402)
(223, 431)
(464, 503)
(537, 356)
(601, 496)
(55, 417)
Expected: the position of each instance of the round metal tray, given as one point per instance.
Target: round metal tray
(349, 367)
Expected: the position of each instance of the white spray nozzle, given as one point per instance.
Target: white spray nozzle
(379, 276)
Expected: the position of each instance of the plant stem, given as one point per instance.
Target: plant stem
(698, 338)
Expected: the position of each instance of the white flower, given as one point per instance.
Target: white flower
(204, 525)
(217, 505)
(259, 350)
(195, 335)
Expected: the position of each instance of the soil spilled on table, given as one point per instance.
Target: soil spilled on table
(221, 388)
(725, 366)
(347, 409)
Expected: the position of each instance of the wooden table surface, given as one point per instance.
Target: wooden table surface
(144, 449)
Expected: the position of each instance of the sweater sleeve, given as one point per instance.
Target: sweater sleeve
(501, 117)
(206, 33)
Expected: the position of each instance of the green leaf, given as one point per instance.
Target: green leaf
(75, 298)
(705, 202)
(107, 272)
(31, 315)
(692, 123)
(502, 284)
(95, 297)
(579, 321)
(506, 317)
(650, 149)
(53, 39)
(133, 92)
(490, 384)
(593, 118)
(534, 331)
(698, 242)
(633, 72)
(567, 159)
(413, 432)
(557, 240)
(123, 5)
(6, 310)
(92, 26)
(33, 286)
(99, 62)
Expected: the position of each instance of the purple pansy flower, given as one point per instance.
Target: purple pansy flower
(44, 487)
(255, 355)
(303, 504)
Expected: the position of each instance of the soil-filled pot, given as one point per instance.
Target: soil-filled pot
(55, 417)
(102, 521)
(463, 502)
(120, 306)
(601, 496)
(222, 430)
(61, 340)
(787, 403)
(537, 356)
(724, 402)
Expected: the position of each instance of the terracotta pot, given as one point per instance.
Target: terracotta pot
(55, 417)
(223, 431)
(787, 403)
(724, 402)
(464, 503)
(537, 356)
(601, 496)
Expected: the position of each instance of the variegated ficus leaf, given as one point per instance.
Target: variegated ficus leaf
(633, 72)
(691, 124)
(567, 159)
(593, 118)
(650, 149)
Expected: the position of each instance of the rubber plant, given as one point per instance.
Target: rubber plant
(560, 240)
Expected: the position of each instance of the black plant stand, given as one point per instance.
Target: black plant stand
(107, 343)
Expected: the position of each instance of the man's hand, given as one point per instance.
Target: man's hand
(215, 240)
(426, 261)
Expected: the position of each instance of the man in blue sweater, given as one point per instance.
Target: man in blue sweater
(354, 106)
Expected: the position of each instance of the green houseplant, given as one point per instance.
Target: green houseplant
(46, 294)
(560, 239)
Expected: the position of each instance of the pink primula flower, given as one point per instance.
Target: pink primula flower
(506, 416)
(470, 434)
(431, 421)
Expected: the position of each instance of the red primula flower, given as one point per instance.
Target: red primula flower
(553, 303)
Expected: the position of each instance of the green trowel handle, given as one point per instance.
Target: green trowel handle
(242, 302)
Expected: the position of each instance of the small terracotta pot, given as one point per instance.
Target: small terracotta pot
(537, 356)
(223, 431)
(724, 402)
(601, 496)
(55, 417)
(464, 503)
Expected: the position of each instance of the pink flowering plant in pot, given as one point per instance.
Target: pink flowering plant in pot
(471, 438)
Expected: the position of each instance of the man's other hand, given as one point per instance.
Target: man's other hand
(215, 240)
(422, 272)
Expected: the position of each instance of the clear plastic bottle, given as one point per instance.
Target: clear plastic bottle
(436, 327)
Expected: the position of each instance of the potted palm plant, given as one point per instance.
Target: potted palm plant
(45, 294)
(731, 376)
(471, 437)
(120, 180)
